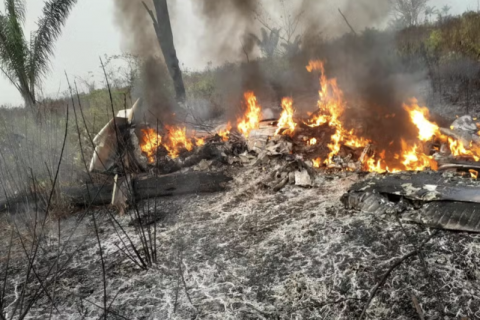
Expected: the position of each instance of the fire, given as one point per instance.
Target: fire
(151, 141)
(251, 119)
(458, 149)
(177, 139)
(225, 133)
(426, 129)
(199, 142)
(354, 141)
(473, 173)
(286, 119)
(415, 160)
(317, 163)
(330, 103)
(374, 166)
(331, 106)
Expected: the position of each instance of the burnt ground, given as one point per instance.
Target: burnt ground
(251, 253)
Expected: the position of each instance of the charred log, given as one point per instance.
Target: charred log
(147, 186)
(176, 184)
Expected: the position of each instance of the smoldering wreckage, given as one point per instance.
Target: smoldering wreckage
(322, 215)
(432, 180)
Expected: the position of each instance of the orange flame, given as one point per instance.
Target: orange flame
(355, 142)
(374, 166)
(458, 149)
(317, 162)
(473, 173)
(151, 141)
(252, 117)
(225, 133)
(416, 160)
(177, 139)
(199, 142)
(330, 101)
(312, 142)
(331, 106)
(426, 129)
(286, 119)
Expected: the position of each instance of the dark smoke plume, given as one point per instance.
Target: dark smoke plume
(377, 83)
(140, 39)
(228, 22)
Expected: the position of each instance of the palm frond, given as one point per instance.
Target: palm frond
(13, 47)
(55, 13)
(16, 8)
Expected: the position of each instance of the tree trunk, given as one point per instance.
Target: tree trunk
(164, 33)
(29, 101)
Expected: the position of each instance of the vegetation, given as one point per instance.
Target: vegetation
(25, 62)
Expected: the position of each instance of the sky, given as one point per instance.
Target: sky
(91, 32)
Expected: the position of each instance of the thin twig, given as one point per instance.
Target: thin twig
(104, 277)
(421, 256)
(375, 289)
(348, 23)
(184, 282)
(418, 308)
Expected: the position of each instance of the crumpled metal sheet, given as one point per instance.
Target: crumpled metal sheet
(423, 186)
(105, 141)
(459, 216)
(439, 202)
(464, 123)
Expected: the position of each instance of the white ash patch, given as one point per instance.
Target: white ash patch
(251, 253)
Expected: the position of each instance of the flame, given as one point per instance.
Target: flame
(355, 142)
(317, 162)
(176, 140)
(330, 103)
(426, 129)
(473, 173)
(458, 149)
(225, 133)
(286, 119)
(151, 141)
(251, 119)
(331, 106)
(199, 142)
(415, 160)
(374, 166)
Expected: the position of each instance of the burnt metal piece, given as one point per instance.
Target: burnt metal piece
(460, 165)
(432, 199)
(424, 186)
(459, 216)
(366, 201)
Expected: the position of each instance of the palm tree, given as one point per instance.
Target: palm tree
(408, 10)
(446, 9)
(292, 48)
(429, 11)
(25, 62)
(269, 42)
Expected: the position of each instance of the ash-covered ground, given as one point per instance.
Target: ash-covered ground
(251, 253)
